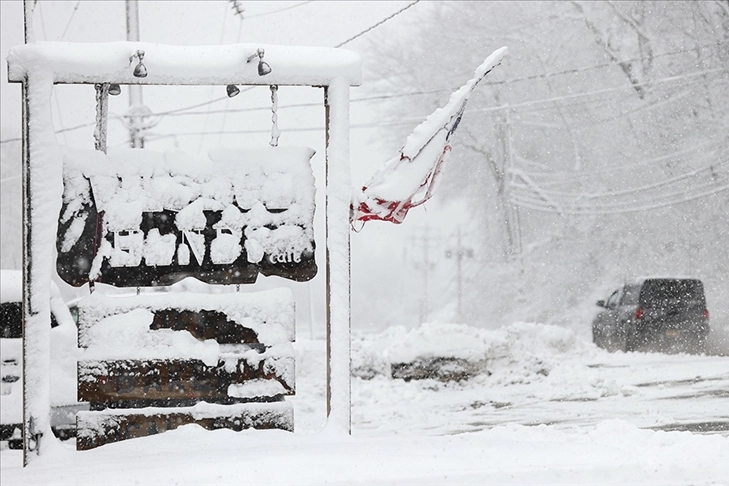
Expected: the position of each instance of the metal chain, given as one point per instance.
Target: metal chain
(275, 132)
(102, 116)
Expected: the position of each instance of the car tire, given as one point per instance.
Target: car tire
(697, 345)
(631, 341)
(597, 338)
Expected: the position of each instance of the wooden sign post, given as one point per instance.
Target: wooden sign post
(39, 66)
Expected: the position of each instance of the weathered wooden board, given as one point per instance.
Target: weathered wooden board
(204, 324)
(95, 429)
(169, 380)
(266, 318)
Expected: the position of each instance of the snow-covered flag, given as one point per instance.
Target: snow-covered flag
(409, 179)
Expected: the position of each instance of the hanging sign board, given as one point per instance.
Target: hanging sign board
(141, 218)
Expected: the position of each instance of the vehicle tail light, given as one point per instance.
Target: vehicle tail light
(706, 314)
(638, 313)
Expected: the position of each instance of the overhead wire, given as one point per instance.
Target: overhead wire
(488, 109)
(377, 24)
(535, 205)
(222, 37)
(263, 14)
(569, 176)
(68, 24)
(613, 194)
(401, 120)
(486, 83)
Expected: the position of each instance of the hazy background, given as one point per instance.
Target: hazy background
(596, 153)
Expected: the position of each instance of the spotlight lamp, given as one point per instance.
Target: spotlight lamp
(263, 67)
(140, 70)
(232, 90)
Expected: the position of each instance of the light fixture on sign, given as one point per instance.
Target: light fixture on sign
(232, 90)
(114, 89)
(140, 70)
(263, 67)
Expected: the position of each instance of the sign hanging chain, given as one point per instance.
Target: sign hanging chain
(275, 132)
(102, 115)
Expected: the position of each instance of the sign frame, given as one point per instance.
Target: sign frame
(39, 66)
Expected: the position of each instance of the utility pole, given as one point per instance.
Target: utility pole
(136, 120)
(512, 210)
(459, 282)
(28, 32)
(460, 253)
(424, 239)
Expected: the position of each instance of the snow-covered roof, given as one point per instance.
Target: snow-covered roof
(642, 278)
(184, 65)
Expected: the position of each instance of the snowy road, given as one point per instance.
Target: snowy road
(547, 408)
(651, 391)
(546, 377)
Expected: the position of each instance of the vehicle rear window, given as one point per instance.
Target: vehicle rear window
(630, 295)
(667, 292)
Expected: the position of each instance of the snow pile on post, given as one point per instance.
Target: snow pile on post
(409, 179)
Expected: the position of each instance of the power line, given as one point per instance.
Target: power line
(198, 105)
(75, 8)
(377, 24)
(626, 207)
(569, 176)
(623, 192)
(401, 121)
(599, 212)
(605, 64)
(177, 111)
(8, 179)
(277, 11)
(69, 129)
(599, 91)
(441, 90)
(482, 110)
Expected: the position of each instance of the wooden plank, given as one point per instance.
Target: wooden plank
(95, 429)
(167, 381)
(230, 318)
(204, 324)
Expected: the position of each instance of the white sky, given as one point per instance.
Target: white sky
(192, 23)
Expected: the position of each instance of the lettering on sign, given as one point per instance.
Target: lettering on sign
(154, 226)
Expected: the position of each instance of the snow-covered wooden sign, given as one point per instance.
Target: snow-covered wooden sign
(154, 362)
(38, 66)
(145, 218)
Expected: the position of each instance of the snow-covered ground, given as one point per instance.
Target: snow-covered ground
(546, 407)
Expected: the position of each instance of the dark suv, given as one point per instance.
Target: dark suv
(667, 314)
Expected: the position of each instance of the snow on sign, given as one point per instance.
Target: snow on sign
(154, 362)
(140, 218)
(134, 218)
